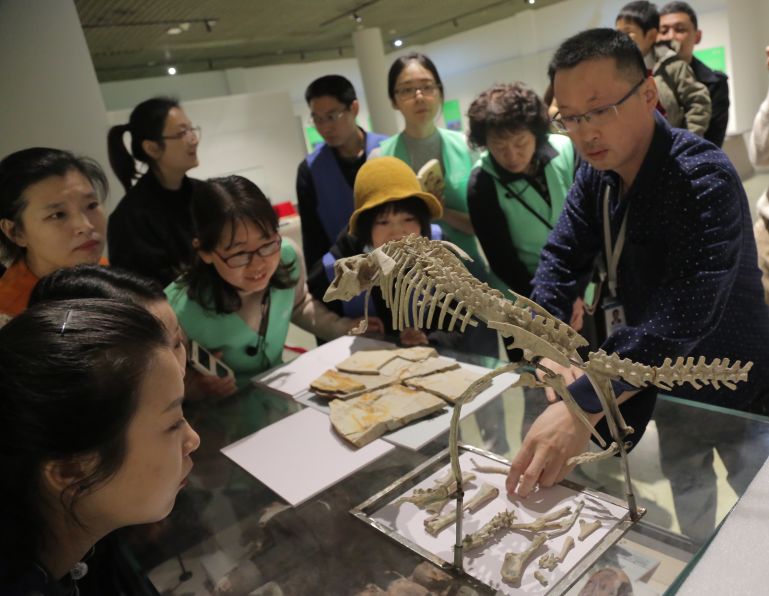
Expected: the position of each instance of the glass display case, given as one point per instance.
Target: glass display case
(231, 534)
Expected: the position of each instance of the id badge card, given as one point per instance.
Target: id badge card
(613, 314)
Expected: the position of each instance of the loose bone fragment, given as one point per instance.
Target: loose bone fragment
(565, 525)
(540, 577)
(544, 522)
(501, 521)
(489, 469)
(485, 494)
(434, 499)
(587, 528)
(550, 560)
(515, 563)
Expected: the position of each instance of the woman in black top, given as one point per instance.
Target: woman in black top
(92, 439)
(150, 231)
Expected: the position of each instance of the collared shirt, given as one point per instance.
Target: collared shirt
(687, 277)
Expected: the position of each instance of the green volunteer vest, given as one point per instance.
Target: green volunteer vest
(457, 164)
(230, 334)
(527, 232)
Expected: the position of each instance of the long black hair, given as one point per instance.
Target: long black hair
(22, 169)
(146, 123)
(70, 373)
(218, 207)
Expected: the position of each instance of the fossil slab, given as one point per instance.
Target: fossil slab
(362, 419)
(448, 385)
(348, 384)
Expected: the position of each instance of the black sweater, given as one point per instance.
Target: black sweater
(150, 232)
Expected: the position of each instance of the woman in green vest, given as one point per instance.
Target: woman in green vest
(246, 283)
(519, 185)
(416, 91)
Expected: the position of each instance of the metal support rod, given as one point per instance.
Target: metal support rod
(613, 425)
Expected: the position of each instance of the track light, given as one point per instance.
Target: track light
(356, 17)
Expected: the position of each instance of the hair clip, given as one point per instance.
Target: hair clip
(66, 321)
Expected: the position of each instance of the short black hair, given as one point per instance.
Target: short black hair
(22, 169)
(673, 7)
(335, 86)
(218, 206)
(411, 205)
(402, 62)
(507, 107)
(595, 44)
(96, 281)
(641, 13)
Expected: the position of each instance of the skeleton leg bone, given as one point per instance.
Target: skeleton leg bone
(587, 528)
(515, 563)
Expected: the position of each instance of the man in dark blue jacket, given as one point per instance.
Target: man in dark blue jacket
(684, 270)
(325, 179)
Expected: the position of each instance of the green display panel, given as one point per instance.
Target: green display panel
(452, 114)
(313, 137)
(714, 58)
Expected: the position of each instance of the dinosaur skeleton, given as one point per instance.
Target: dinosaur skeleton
(424, 282)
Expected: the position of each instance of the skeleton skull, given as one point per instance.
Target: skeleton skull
(353, 275)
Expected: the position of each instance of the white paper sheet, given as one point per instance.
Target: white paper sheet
(485, 563)
(293, 379)
(300, 456)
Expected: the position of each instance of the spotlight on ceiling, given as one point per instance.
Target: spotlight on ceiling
(174, 30)
(397, 43)
(356, 17)
(171, 70)
(210, 24)
(530, 1)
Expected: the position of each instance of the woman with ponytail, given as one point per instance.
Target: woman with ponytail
(150, 231)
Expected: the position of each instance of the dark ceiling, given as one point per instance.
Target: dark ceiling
(131, 39)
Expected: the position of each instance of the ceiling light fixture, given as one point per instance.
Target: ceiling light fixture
(530, 1)
(209, 24)
(356, 17)
(174, 30)
(397, 43)
(171, 70)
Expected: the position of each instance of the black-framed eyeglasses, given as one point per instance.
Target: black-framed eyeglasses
(410, 92)
(188, 134)
(330, 118)
(598, 117)
(242, 259)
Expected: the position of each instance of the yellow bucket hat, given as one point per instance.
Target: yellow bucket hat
(386, 179)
